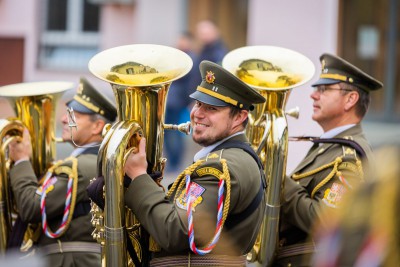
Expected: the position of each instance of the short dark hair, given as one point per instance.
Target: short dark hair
(363, 101)
(234, 111)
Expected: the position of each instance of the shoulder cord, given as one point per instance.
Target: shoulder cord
(335, 165)
(70, 200)
(222, 210)
(335, 170)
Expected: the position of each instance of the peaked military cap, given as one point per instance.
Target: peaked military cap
(88, 100)
(336, 69)
(221, 88)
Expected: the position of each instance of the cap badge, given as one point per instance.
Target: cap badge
(323, 64)
(79, 90)
(210, 78)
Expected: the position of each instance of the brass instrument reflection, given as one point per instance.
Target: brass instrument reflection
(273, 72)
(140, 76)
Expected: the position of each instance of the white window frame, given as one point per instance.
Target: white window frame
(71, 38)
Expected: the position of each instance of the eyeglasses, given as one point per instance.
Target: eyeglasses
(322, 88)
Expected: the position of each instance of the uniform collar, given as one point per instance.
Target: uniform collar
(336, 131)
(206, 150)
(79, 150)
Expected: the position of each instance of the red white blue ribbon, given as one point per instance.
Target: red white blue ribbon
(219, 224)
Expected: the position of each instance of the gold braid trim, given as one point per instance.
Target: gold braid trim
(226, 176)
(34, 231)
(334, 171)
(73, 174)
(180, 183)
(360, 168)
(180, 180)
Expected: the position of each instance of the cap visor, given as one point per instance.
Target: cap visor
(76, 106)
(207, 99)
(325, 81)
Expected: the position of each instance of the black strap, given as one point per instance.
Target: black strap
(234, 219)
(247, 148)
(17, 234)
(132, 252)
(347, 142)
(81, 208)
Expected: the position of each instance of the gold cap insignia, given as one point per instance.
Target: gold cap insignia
(79, 90)
(210, 78)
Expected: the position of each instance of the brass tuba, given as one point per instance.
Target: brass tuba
(273, 72)
(34, 104)
(140, 76)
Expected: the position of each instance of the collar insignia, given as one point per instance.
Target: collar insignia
(213, 156)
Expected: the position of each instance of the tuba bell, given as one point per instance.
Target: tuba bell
(140, 76)
(273, 72)
(34, 104)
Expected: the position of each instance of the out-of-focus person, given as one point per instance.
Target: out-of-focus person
(211, 46)
(178, 107)
(57, 207)
(365, 229)
(334, 165)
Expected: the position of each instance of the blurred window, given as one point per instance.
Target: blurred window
(70, 34)
(369, 37)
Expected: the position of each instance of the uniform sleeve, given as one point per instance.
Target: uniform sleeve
(27, 193)
(24, 185)
(157, 214)
(166, 221)
(303, 201)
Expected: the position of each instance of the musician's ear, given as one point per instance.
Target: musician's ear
(240, 117)
(98, 126)
(352, 98)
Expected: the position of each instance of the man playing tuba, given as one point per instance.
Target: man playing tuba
(58, 205)
(214, 209)
(334, 165)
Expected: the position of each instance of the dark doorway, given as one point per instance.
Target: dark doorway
(12, 60)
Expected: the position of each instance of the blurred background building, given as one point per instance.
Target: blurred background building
(43, 40)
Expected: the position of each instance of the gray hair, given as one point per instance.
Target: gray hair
(363, 101)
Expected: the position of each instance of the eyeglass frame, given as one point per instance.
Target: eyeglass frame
(323, 88)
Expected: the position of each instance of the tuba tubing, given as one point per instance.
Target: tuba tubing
(140, 100)
(34, 104)
(267, 129)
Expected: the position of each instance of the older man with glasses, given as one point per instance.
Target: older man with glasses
(334, 165)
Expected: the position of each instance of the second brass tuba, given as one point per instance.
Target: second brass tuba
(273, 72)
(140, 76)
(35, 105)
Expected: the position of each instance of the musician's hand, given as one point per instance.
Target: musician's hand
(21, 149)
(136, 163)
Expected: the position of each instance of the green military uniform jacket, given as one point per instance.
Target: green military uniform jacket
(27, 195)
(305, 197)
(167, 221)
